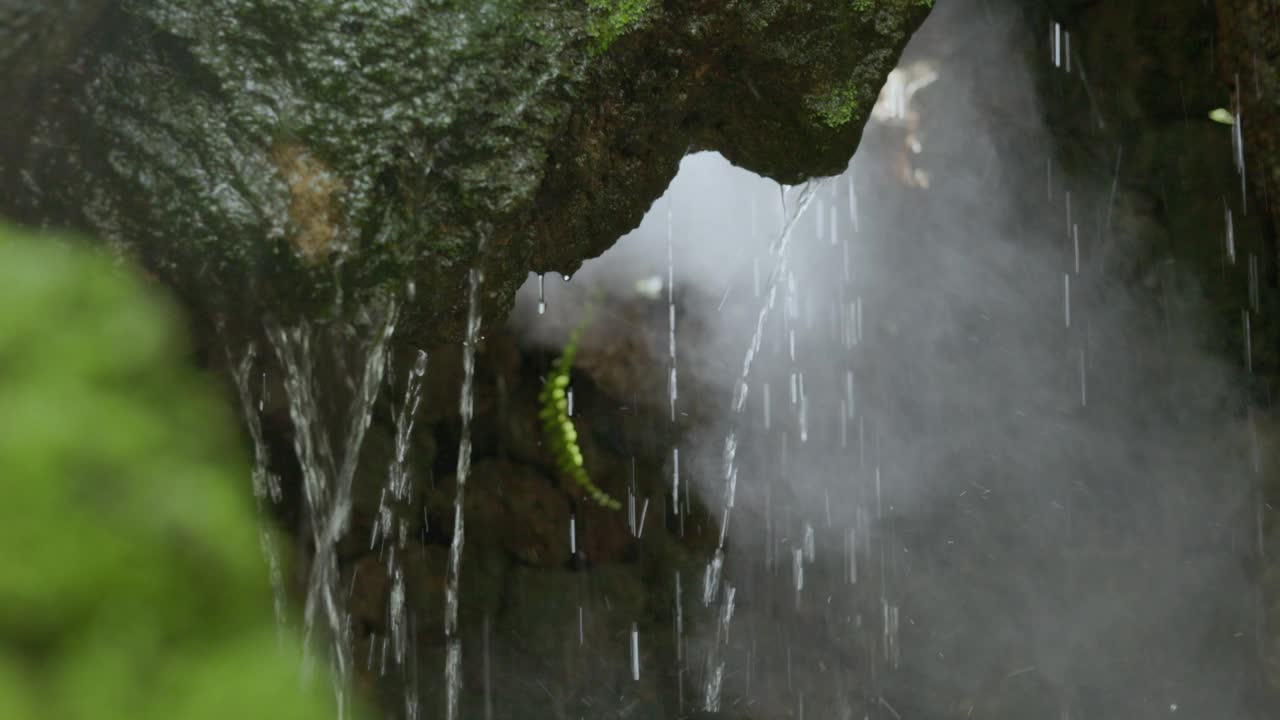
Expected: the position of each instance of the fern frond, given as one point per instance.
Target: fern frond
(558, 427)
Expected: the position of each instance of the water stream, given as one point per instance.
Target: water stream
(327, 478)
(466, 408)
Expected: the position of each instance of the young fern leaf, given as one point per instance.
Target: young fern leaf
(558, 427)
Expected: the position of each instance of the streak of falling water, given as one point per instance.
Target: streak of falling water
(1237, 142)
(635, 652)
(1066, 299)
(542, 293)
(399, 474)
(399, 484)
(1231, 237)
(671, 318)
(679, 626)
(675, 479)
(266, 484)
(853, 204)
(453, 642)
(778, 251)
(1055, 35)
(1075, 245)
(327, 485)
(396, 609)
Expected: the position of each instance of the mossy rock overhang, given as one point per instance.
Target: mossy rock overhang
(277, 155)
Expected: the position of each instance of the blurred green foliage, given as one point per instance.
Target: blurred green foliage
(131, 583)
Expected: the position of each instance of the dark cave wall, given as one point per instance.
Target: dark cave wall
(1146, 77)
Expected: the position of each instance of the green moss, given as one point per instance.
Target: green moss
(836, 107)
(612, 19)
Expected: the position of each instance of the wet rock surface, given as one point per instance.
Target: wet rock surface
(294, 156)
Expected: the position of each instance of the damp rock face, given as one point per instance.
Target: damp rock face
(261, 153)
(1249, 42)
(1176, 173)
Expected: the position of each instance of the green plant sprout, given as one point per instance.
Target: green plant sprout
(558, 427)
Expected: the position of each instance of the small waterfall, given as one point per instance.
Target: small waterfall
(778, 253)
(392, 527)
(266, 484)
(326, 483)
(453, 650)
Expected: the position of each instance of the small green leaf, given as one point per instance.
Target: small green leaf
(1222, 115)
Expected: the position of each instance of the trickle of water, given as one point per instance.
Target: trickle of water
(679, 619)
(675, 478)
(644, 511)
(466, 406)
(1230, 238)
(542, 293)
(852, 550)
(848, 393)
(1055, 43)
(326, 484)
(853, 205)
(266, 484)
(711, 688)
(726, 616)
(803, 412)
(672, 391)
(399, 475)
(1075, 245)
(399, 625)
(635, 653)
(711, 578)
(1066, 299)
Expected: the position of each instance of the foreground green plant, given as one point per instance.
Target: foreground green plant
(131, 581)
(557, 426)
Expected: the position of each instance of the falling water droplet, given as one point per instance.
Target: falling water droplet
(635, 653)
